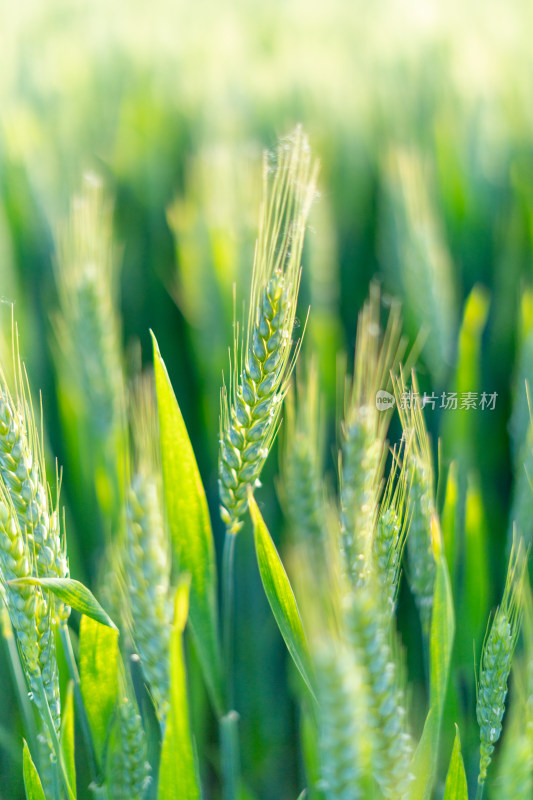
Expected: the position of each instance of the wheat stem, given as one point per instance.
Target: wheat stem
(228, 564)
(229, 746)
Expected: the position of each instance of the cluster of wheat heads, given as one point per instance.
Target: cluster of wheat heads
(364, 743)
(352, 535)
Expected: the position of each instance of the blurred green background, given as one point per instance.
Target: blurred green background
(421, 116)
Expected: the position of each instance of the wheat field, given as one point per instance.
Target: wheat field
(266, 350)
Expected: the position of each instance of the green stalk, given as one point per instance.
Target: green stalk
(229, 746)
(479, 791)
(82, 712)
(229, 736)
(228, 560)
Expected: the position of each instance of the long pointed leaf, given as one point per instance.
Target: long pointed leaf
(279, 594)
(442, 634)
(98, 677)
(74, 594)
(177, 771)
(67, 736)
(456, 786)
(190, 528)
(32, 782)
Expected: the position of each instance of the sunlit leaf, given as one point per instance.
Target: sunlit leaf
(190, 527)
(99, 676)
(67, 736)
(279, 594)
(425, 760)
(32, 782)
(456, 787)
(74, 594)
(177, 772)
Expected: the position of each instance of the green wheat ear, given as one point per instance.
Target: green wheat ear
(87, 333)
(391, 529)
(146, 563)
(128, 770)
(31, 545)
(302, 484)
(341, 721)
(264, 357)
(496, 660)
(422, 568)
(363, 432)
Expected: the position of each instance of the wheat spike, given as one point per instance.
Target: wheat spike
(302, 483)
(422, 568)
(368, 632)
(340, 719)
(146, 552)
(264, 359)
(129, 770)
(496, 659)
(363, 433)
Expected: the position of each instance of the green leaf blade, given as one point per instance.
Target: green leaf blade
(280, 595)
(456, 787)
(177, 771)
(98, 677)
(32, 782)
(425, 760)
(190, 527)
(74, 594)
(67, 737)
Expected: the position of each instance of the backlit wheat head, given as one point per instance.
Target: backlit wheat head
(264, 357)
(363, 432)
(146, 559)
(421, 573)
(496, 660)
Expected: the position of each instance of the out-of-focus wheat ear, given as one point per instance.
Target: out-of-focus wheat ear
(515, 763)
(364, 429)
(88, 350)
(341, 723)
(302, 480)
(147, 560)
(496, 659)
(421, 561)
(368, 632)
(263, 358)
(129, 771)
(415, 254)
(391, 529)
(341, 716)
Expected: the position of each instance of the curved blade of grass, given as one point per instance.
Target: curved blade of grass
(74, 594)
(456, 787)
(177, 772)
(67, 736)
(441, 642)
(98, 677)
(279, 594)
(190, 528)
(32, 782)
